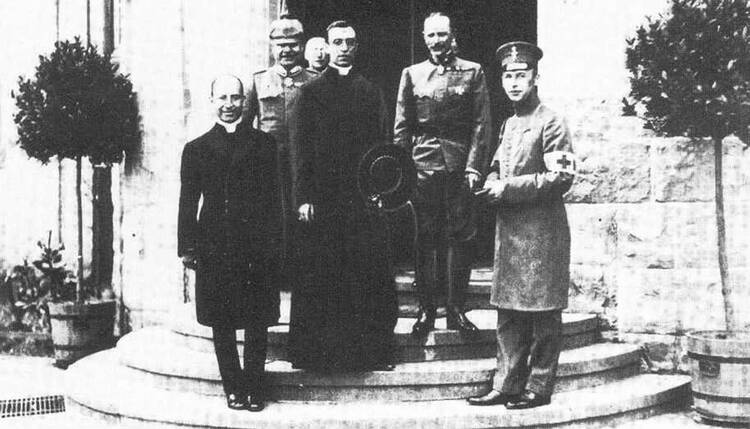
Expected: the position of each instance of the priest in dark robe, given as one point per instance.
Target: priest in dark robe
(231, 240)
(344, 305)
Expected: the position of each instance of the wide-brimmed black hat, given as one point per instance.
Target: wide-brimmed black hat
(387, 177)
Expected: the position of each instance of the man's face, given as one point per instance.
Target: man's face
(316, 53)
(518, 84)
(437, 35)
(342, 45)
(286, 52)
(227, 99)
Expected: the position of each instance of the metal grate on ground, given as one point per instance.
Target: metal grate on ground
(32, 406)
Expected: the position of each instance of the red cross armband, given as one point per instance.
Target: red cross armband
(561, 162)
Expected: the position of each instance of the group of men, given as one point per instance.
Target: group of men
(280, 203)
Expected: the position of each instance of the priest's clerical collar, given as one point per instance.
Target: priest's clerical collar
(281, 71)
(343, 71)
(230, 127)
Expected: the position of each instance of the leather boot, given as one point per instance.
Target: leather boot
(425, 284)
(459, 270)
(425, 321)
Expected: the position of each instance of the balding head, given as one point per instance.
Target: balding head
(227, 97)
(226, 79)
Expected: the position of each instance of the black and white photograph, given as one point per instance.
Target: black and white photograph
(375, 214)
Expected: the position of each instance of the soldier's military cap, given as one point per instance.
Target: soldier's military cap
(286, 28)
(518, 55)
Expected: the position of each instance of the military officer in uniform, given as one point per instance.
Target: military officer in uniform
(443, 118)
(272, 99)
(531, 170)
(316, 54)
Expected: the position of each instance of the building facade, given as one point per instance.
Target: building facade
(641, 214)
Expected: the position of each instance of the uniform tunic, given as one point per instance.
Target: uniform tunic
(272, 99)
(235, 236)
(443, 116)
(532, 238)
(344, 305)
(443, 119)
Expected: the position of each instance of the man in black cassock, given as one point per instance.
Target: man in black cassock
(233, 243)
(344, 305)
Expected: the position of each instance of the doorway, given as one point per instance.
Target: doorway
(390, 36)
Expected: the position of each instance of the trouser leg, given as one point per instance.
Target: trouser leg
(254, 359)
(427, 263)
(283, 177)
(460, 233)
(225, 346)
(513, 346)
(545, 351)
(460, 257)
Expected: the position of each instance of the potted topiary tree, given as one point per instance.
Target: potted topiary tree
(78, 106)
(690, 72)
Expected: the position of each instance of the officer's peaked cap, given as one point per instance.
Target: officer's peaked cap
(518, 55)
(286, 27)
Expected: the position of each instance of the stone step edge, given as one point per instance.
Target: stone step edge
(130, 349)
(120, 399)
(576, 323)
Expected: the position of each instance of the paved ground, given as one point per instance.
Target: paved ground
(22, 377)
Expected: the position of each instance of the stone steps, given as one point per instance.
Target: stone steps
(477, 293)
(120, 399)
(161, 360)
(442, 344)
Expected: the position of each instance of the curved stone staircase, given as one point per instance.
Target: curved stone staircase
(167, 377)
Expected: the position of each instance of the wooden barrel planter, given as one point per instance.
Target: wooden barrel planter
(720, 367)
(81, 328)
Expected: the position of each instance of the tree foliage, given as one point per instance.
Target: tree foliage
(690, 69)
(77, 105)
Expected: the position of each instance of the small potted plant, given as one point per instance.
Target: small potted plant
(690, 72)
(77, 106)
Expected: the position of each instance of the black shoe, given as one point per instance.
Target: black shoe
(528, 399)
(255, 403)
(425, 322)
(493, 397)
(236, 402)
(456, 319)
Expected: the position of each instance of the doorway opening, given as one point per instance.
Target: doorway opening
(390, 37)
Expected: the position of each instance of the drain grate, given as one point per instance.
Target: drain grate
(32, 406)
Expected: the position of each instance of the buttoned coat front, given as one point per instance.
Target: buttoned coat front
(344, 307)
(235, 236)
(272, 99)
(532, 238)
(443, 116)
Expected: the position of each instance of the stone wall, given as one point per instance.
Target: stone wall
(171, 49)
(641, 212)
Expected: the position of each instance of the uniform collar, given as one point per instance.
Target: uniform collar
(528, 105)
(281, 71)
(450, 63)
